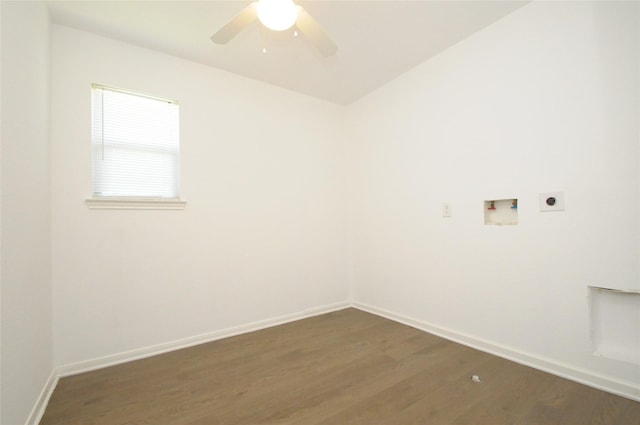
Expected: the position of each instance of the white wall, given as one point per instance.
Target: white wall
(25, 198)
(263, 232)
(547, 99)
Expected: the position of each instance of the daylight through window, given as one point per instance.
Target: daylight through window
(135, 145)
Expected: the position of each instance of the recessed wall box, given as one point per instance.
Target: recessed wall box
(615, 325)
(500, 212)
(552, 201)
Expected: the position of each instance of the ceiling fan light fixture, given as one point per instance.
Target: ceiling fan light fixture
(277, 15)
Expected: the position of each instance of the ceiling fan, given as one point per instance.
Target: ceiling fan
(277, 15)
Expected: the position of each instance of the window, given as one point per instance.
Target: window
(135, 146)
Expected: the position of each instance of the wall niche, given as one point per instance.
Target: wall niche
(501, 212)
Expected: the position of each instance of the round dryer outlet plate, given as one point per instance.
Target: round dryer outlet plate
(552, 201)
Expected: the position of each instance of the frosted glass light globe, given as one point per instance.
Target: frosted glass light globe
(277, 15)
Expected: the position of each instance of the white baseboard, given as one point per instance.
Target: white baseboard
(622, 388)
(86, 366)
(141, 353)
(43, 399)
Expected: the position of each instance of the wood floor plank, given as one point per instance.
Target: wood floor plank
(345, 367)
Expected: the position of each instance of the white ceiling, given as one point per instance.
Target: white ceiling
(377, 40)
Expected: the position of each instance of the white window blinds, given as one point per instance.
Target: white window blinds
(135, 145)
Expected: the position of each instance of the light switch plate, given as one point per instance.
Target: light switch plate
(552, 201)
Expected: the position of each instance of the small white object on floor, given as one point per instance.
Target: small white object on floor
(475, 378)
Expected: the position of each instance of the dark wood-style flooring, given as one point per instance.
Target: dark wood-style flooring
(345, 367)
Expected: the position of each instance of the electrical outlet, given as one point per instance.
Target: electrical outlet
(446, 210)
(552, 201)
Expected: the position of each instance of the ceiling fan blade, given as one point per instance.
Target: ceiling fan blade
(314, 33)
(237, 24)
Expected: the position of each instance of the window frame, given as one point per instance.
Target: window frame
(133, 202)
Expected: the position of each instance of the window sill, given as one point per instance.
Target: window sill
(135, 204)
